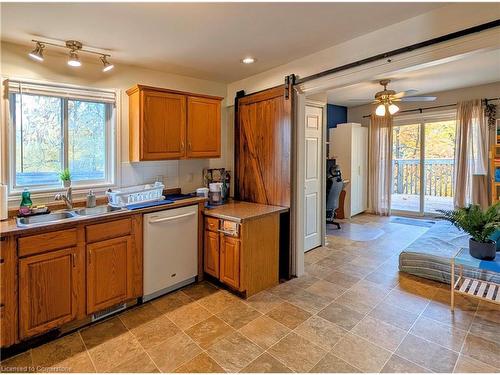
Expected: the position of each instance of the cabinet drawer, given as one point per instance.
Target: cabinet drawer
(108, 230)
(211, 224)
(41, 243)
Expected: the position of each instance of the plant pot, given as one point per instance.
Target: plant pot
(67, 183)
(482, 250)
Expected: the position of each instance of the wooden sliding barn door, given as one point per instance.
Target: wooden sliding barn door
(263, 147)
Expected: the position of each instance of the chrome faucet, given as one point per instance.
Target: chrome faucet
(67, 198)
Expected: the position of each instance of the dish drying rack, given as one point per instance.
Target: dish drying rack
(136, 194)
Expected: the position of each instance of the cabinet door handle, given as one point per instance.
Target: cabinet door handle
(73, 259)
(189, 146)
(182, 146)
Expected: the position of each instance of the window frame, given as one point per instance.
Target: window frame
(112, 137)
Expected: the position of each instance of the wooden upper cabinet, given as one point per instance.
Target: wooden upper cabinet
(167, 124)
(203, 127)
(109, 279)
(48, 290)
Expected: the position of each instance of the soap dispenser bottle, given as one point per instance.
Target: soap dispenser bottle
(91, 199)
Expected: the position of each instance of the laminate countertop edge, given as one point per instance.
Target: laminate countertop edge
(241, 212)
(9, 227)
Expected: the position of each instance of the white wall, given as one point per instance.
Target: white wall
(441, 21)
(186, 174)
(492, 90)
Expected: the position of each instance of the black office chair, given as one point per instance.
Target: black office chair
(334, 185)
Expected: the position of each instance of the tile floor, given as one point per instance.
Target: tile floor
(351, 312)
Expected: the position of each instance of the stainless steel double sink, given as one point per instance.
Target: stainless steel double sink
(64, 215)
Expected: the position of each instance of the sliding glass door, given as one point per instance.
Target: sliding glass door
(423, 164)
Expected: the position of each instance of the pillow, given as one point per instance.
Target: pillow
(496, 237)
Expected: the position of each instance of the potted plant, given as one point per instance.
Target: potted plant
(480, 225)
(65, 177)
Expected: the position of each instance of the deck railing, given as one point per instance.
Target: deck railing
(438, 177)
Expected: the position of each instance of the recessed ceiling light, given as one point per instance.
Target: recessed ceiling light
(248, 60)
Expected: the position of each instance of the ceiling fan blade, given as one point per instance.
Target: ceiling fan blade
(405, 93)
(418, 99)
(360, 100)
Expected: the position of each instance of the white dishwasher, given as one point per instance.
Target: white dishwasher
(170, 250)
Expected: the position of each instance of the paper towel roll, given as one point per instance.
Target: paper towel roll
(4, 208)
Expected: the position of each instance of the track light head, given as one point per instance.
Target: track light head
(107, 66)
(74, 60)
(37, 53)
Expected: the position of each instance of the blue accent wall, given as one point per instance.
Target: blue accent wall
(335, 114)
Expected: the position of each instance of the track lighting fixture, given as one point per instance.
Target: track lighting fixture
(107, 66)
(37, 53)
(75, 47)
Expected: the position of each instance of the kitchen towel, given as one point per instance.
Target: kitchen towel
(4, 208)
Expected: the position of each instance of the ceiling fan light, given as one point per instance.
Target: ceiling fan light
(74, 60)
(107, 66)
(393, 108)
(37, 53)
(380, 111)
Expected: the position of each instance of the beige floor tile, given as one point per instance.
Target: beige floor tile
(333, 364)
(407, 301)
(102, 332)
(394, 315)
(297, 353)
(139, 315)
(239, 315)
(396, 364)
(56, 351)
(303, 282)
(79, 363)
(439, 333)
(486, 322)
(202, 363)
(264, 301)
(200, 290)
(341, 315)
(174, 352)
(320, 332)
(155, 332)
(307, 301)
(469, 365)
(464, 303)
(234, 352)
(112, 353)
(385, 279)
(441, 312)
(219, 301)
(17, 363)
(141, 363)
(360, 353)
(483, 350)
(341, 279)
(316, 270)
(326, 289)
(266, 363)
(378, 332)
(209, 331)
(264, 331)
(188, 315)
(171, 302)
(352, 269)
(289, 315)
(427, 354)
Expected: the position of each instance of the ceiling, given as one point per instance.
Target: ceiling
(464, 71)
(203, 40)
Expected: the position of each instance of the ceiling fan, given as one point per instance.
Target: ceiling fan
(386, 99)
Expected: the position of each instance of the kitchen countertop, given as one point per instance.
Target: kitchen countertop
(242, 211)
(9, 226)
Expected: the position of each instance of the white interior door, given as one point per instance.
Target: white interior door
(313, 164)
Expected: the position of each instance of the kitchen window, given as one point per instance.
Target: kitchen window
(54, 128)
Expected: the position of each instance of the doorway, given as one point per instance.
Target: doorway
(423, 164)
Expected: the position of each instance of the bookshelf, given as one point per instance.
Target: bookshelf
(495, 165)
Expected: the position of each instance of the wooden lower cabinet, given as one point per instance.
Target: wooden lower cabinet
(109, 279)
(230, 261)
(48, 285)
(211, 255)
(8, 291)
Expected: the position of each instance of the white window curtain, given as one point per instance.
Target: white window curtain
(380, 171)
(471, 155)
